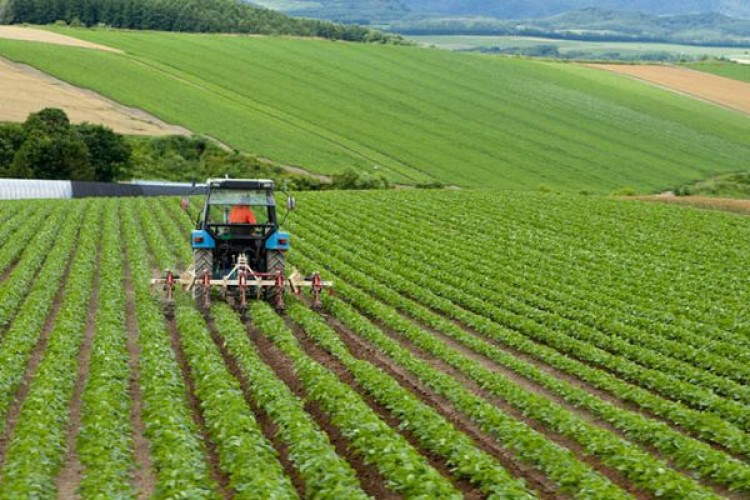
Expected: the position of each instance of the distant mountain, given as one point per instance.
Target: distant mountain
(374, 11)
(523, 9)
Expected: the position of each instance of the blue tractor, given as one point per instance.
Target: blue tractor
(240, 250)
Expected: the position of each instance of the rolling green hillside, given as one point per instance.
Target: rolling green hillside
(411, 113)
(736, 71)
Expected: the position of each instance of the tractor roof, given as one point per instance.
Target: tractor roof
(240, 184)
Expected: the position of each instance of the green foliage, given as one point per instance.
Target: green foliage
(109, 151)
(212, 16)
(47, 146)
(735, 185)
(410, 112)
(352, 179)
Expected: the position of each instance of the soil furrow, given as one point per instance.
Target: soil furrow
(71, 471)
(613, 475)
(36, 358)
(342, 373)
(372, 482)
(144, 479)
(361, 349)
(267, 426)
(217, 474)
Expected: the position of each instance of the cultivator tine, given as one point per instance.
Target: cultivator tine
(206, 284)
(280, 282)
(317, 287)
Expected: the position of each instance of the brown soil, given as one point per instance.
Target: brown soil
(268, 427)
(724, 204)
(372, 482)
(336, 367)
(144, 480)
(217, 474)
(29, 90)
(564, 441)
(27, 34)
(363, 350)
(36, 358)
(72, 470)
(726, 92)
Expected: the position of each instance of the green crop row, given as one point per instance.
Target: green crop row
(586, 313)
(172, 232)
(661, 382)
(104, 442)
(433, 431)
(325, 474)
(175, 447)
(17, 343)
(36, 244)
(245, 454)
(16, 232)
(405, 470)
(36, 451)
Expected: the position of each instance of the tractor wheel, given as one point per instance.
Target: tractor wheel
(204, 261)
(275, 261)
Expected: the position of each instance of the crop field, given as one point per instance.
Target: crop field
(463, 42)
(413, 114)
(478, 345)
(736, 71)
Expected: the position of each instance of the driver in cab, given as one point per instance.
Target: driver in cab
(241, 214)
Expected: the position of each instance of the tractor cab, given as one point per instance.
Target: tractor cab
(239, 218)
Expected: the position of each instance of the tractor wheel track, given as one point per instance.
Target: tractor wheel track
(144, 479)
(71, 471)
(266, 424)
(219, 477)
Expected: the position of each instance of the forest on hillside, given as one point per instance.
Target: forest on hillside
(205, 16)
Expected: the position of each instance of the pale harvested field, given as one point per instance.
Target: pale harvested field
(25, 34)
(24, 90)
(716, 89)
(724, 204)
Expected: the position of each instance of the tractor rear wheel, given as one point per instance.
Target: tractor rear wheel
(275, 261)
(204, 261)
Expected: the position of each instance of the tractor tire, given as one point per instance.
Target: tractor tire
(275, 261)
(204, 261)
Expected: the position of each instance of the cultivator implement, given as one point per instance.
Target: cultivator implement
(238, 286)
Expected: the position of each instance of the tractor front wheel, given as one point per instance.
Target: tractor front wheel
(204, 261)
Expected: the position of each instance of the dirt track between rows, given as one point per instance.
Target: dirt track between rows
(726, 92)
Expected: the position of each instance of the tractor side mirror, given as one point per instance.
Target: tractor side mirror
(291, 203)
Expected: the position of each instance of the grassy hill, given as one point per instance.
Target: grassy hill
(414, 114)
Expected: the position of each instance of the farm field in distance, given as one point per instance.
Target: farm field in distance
(479, 344)
(407, 112)
(463, 42)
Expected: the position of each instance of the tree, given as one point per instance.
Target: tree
(53, 156)
(108, 151)
(48, 121)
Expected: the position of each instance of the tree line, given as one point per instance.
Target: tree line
(204, 16)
